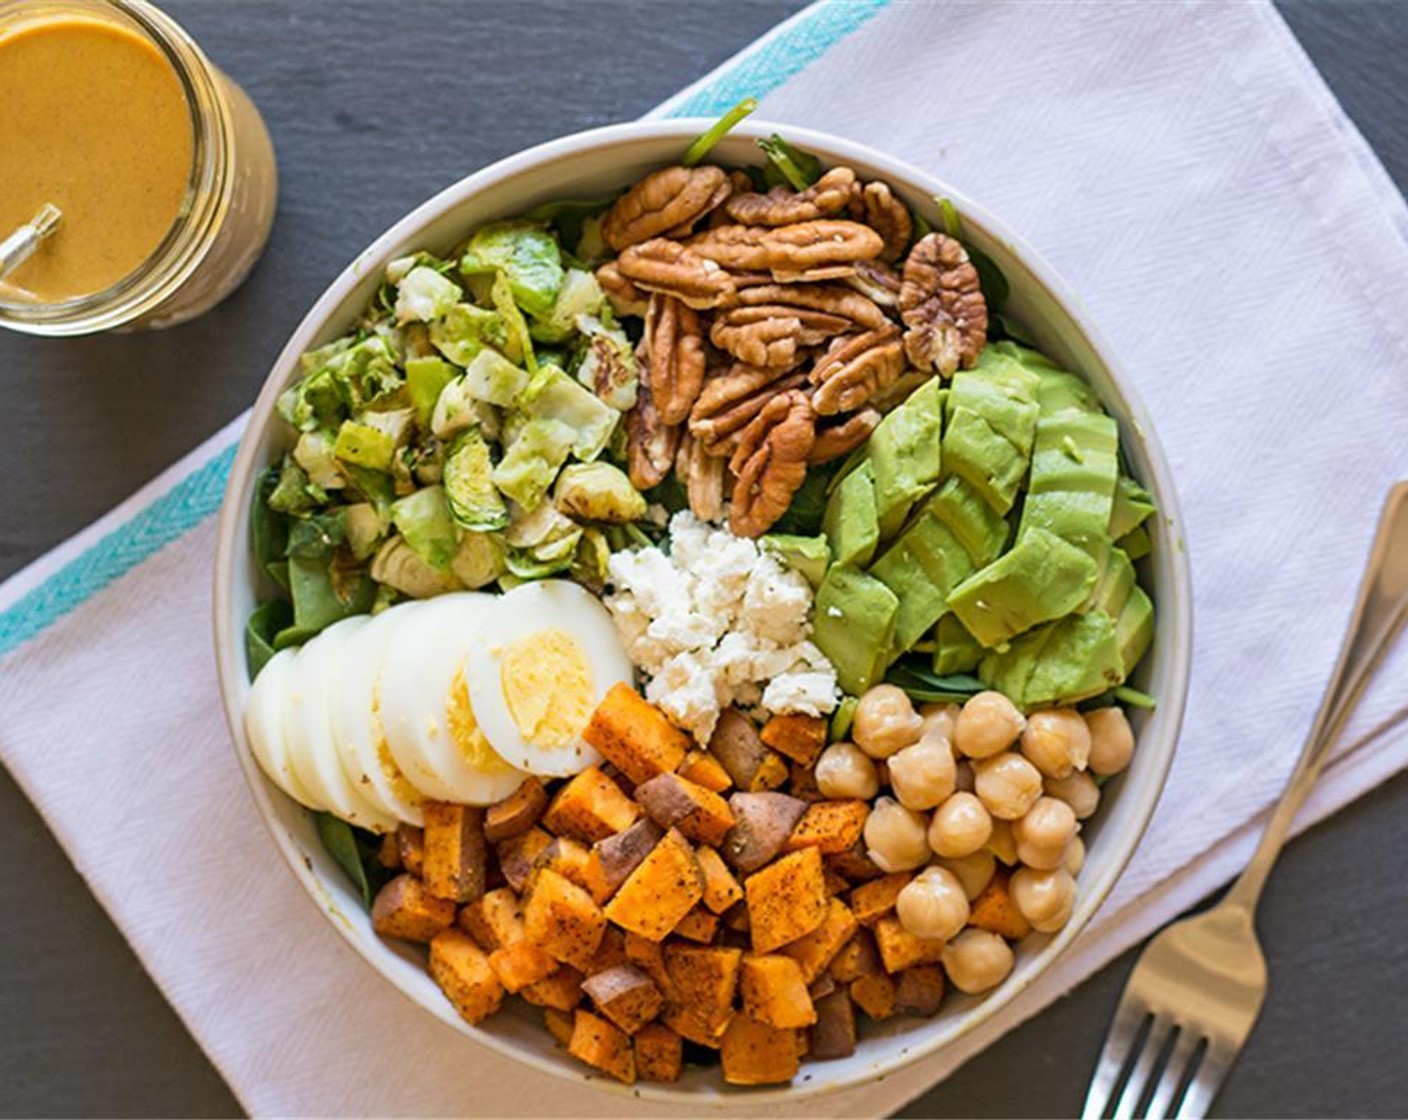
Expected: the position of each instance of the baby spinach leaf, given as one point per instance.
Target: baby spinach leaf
(789, 165)
(264, 623)
(699, 147)
(268, 530)
(319, 600)
(927, 687)
(990, 277)
(317, 535)
(804, 515)
(340, 842)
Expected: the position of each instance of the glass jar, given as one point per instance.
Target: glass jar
(224, 218)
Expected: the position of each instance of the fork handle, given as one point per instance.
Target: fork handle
(1378, 615)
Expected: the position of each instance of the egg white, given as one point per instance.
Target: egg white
(264, 725)
(530, 609)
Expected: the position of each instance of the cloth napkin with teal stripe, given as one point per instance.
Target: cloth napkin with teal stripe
(1187, 171)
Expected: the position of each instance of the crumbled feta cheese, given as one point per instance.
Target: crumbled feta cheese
(717, 622)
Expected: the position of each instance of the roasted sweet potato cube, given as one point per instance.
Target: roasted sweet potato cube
(774, 991)
(404, 908)
(875, 995)
(410, 845)
(649, 957)
(611, 951)
(803, 784)
(786, 900)
(561, 919)
(659, 1053)
(703, 981)
(835, 884)
(518, 812)
(521, 964)
(815, 950)
(590, 807)
(993, 909)
(702, 768)
(801, 738)
(625, 995)
(662, 890)
(462, 970)
(698, 925)
(762, 824)
(602, 1045)
(455, 852)
(858, 957)
(854, 865)
(721, 889)
(612, 860)
(823, 985)
(900, 949)
(495, 921)
(735, 918)
(920, 990)
(686, 1023)
(873, 900)
(568, 858)
(754, 1053)
(675, 802)
(634, 735)
(832, 827)
(749, 762)
(834, 1033)
(518, 854)
(559, 1024)
(388, 853)
(561, 991)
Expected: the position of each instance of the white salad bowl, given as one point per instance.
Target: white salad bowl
(591, 164)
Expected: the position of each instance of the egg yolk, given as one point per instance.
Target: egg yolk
(547, 685)
(400, 784)
(469, 740)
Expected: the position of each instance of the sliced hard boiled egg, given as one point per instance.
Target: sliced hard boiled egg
(313, 750)
(549, 657)
(264, 725)
(432, 729)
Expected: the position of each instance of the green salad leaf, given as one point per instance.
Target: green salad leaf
(926, 687)
(263, 626)
(340, 842)
(704, 143)
(788, 166)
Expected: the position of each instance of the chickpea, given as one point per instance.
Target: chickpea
(922, 776)
(939, 719)
(846, 771)
(895, 837)
(1045, 898)
(988, 724)
(1111, 740)
(1001, 844)
(1056, 741)
(1075, 856)
(1044, 833)
(973, 871)
(1078, 790)
(933, 904)
(961, 826)
(977, 960)
(1008, 784)
(963, 777)
(885, 721)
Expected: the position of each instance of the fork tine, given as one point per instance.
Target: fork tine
(1178, 1065)
(1142, 1074)
(1119, 1044)
(1212, 1072)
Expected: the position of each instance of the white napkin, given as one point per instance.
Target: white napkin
(1188, 172)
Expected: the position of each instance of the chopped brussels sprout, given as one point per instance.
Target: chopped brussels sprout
(608, 363)
(493, 378)
(518, 345)
(364, 445)
(589, 566)
(598, 492)
(469, 488)
(538, 526)
(424, 521)
(312, 402)
(423, 296)
(580, 295)
(479, 560)
(398, 565)
(465, 330)
(294, 493)
(364, 528)
(314, 453)
(396, 270)
(526, 253)
(552, 395)
(533, 460)
(426, 378)
(398, 423)
(457, 410)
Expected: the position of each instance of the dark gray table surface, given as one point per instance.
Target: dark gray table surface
(373, 106)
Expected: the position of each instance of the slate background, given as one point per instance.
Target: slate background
(373, 107)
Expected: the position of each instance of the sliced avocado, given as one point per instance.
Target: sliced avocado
(1132, 506)
(921, 600)
(978, 527)
(1112, 585)
(1042, 578)
(1075, 462)
(991, 423)
(955, 650)
(854, 625)
(850, 523)
(903, 453)
(806, 555)
(1071, 659)
(1137, 543)
(1134, 629)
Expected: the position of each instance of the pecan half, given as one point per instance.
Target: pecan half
(889, 217)
(855, 368)
(835, 440)
(833, 299)
(771, 463)
(651, 444)
(730, 401)
(705, 477)
(625, 298)
(661, 265)
(760, 336)
(674, 339)
(782, 207)
(941, 302)
(668, 199)
(803, 247)
(876, 280)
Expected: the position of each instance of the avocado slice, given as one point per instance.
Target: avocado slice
(1113, 585)
(922, 567)
(903, 453)
(850, 523)
(1137, 543)
(955, 650)
(1134, 630)
(1041, 578)
(991, 423)
(806, 555)
(1075, 462)
(854, 625)
(1071, 659)
(1132, 506)
(980, 529)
